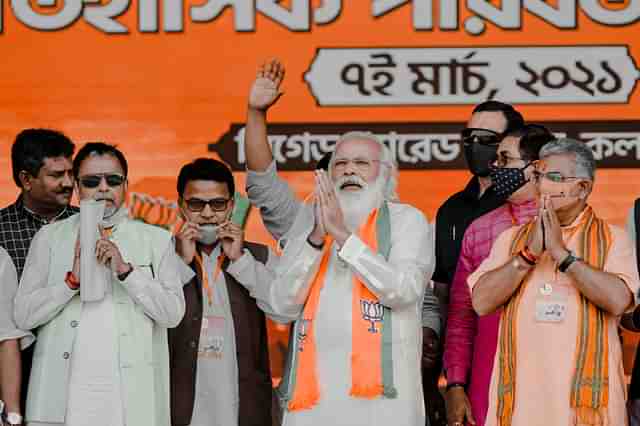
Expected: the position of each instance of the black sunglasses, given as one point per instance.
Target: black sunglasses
(482, 136)
(216, 204)
(93, 181)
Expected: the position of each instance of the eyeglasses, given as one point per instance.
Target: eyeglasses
(93, 181)
(556, 177)
(215, 204)
(482, 136)
(503, 159)
(361, 164)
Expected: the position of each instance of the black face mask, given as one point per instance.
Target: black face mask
(479, 158)
(506, 181)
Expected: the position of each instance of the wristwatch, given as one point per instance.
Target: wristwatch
(566, 262)
(123, 276)
(13, 419)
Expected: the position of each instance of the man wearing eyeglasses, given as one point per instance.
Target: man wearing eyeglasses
(488, 123)
(220, 373)
(41, 163)
(470, 343)
(104, 362)
(562, 281)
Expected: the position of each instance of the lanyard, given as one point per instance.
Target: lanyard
(205, 276)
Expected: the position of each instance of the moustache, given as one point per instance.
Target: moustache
(346, 181)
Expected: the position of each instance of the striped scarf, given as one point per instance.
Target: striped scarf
(371, 360)
(590, 384)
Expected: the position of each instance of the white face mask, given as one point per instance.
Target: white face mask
(208, 234)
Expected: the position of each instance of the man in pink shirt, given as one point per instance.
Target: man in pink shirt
(470, 342)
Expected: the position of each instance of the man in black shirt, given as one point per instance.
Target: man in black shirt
(489, 121)
(41, 163)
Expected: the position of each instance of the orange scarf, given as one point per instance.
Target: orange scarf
(590, 384)
(367, 336)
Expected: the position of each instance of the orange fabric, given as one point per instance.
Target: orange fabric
(590, 389)
(205, 276)
(366, 371)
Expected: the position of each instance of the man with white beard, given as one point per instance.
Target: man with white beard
(279, 208)
(354, 276)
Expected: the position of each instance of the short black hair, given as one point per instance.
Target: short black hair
(99, 148)
(205, 169)
(532, 138)
(323, 163)
(513, 117)
(32, 146)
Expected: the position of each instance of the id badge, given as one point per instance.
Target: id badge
(212, 337)
(551, 303)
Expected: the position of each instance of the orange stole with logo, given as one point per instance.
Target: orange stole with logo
(367, 340)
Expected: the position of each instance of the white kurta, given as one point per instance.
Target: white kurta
(398, 283)
(216, 398)
(95, 381)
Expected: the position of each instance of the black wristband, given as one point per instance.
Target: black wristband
(454, 385)
(315, 246)
(566, 262)
(123, 276)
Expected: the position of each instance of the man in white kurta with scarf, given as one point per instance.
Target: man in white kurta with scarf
(103, 362)
(355, 275)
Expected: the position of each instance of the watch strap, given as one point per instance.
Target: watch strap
(566, 262)
(123, 276)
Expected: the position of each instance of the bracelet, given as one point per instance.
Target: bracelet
(526, 259)
(529, 254)
(315, 246)
(454, 385)
(72, 281)
(566, 262)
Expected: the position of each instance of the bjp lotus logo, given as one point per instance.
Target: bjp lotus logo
(373, 312)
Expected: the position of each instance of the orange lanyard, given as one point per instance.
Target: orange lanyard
(205, 276)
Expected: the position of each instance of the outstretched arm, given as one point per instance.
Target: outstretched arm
(264, 93)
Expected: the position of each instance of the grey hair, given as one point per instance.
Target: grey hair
(583, 155)
(386, 159)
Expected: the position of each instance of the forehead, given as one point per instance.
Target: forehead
(358, 148)
(491, 120)
(57, 163)
(510, 145)
(563, 163)
(205, 189)
(95, 164)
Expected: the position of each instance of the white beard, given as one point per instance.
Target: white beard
(357, 205)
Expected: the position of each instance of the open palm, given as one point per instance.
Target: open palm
(266, 88)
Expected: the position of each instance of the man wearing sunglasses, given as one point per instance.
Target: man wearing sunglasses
(470, 342)
(488, 123)
(562, 281)
(220, 374)
(104, 362)
(41, 163)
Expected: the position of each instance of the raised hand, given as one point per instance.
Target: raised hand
(535, 242)
(553, 231)
(332, 216)
(319, 230)
(186, 241)
(266, 87)
(108, 254)
(232, 240)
